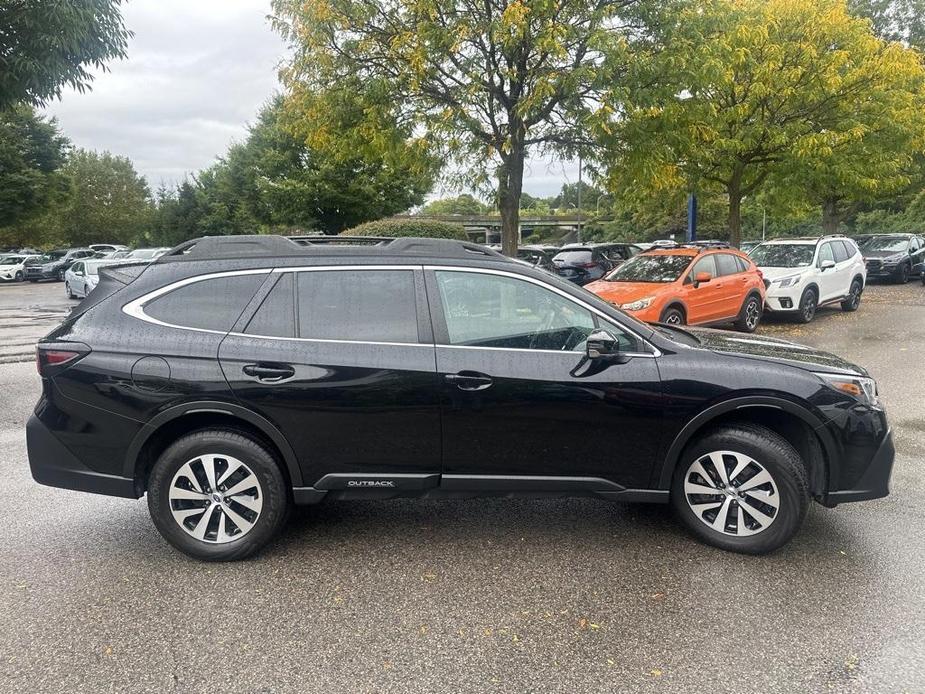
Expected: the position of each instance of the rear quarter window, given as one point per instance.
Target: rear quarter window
(211, 304)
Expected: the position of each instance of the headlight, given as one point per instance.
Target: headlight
(638, 305)
(893, 259)
(789, 281)
(864, 389)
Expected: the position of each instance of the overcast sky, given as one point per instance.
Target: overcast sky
(196, 74)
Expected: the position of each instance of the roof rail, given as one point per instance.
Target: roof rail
(257, 245)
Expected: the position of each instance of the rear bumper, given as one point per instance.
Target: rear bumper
(875, 482)
(54, 465)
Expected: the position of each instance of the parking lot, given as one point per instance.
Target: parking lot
(484, 595)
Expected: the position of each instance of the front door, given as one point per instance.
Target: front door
(704, 300)
(338, 360)
(520, 397)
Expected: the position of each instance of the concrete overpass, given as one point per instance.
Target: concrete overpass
(487, 228)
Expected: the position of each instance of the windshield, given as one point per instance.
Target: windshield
(53, 255)
(897, 244)
(12, 260)
(783, 255)
(651, 268)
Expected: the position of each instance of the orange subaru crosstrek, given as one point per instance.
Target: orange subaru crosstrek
(687, 285)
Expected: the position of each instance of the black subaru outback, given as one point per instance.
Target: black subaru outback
(236, 376)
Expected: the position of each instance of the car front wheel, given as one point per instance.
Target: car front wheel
(672, 316)
(741, 488)
(19, 276)
(808, 304)
(217, 495)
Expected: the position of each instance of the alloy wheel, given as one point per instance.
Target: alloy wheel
(731, 493)
(215, 498)
(854, 299)
(752, 314)
(808, 308)
(673, 318)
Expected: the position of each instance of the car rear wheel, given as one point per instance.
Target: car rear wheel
(741, 488)
(853, 300)
(217, 495)
(750, 315)
(673, 316)
(808, 303)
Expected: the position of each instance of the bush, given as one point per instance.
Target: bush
(395, 228)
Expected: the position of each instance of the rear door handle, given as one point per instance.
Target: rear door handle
(469, 380)
(269, 372)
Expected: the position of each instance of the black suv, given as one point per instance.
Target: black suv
(235, 376)
(584, 264)
(894, 257)
(54, 264)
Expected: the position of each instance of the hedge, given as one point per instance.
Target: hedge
(395, 228)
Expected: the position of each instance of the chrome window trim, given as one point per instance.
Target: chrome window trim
(135, 308)
(488, 271)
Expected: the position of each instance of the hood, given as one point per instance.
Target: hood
(772, 273)
(882, 254)
(625, 292)
(773, 349)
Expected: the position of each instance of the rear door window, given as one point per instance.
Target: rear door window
(357, 305)
(841, 253)
(211, 304)
(726, 264)
(276, 315)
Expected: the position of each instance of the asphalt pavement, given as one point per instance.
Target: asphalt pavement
(473, 596)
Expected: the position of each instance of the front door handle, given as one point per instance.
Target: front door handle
(269, 372)
(469, 380)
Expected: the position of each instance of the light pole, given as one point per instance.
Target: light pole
(579, 198)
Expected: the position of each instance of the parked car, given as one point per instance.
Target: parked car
(146, 253)
(583, 263)
(82, 277)
(687, 286)
(107, 247)
(709, 243)
(747, 246)
(894, 257)
(539, 256)
(13, 267)
(54, 264)
(805, 273)
(239, 375)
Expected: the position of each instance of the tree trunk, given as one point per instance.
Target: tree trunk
(510, 185)
(735, 213)
(831, 217)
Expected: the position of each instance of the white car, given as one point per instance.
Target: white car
(12, 267)
(147, 253)
(803, 274)
(82, 277)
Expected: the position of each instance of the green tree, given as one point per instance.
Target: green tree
(894, 20)
(31, 151)
(490, 81)
(568, 196)
(464, 204)
(47, 45)
(737, 87)
(108, 201)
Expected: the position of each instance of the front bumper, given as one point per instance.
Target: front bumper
(874, 483)
(880, 271)
(39, 274)
(54, 465)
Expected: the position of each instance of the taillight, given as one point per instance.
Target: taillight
(49, 358)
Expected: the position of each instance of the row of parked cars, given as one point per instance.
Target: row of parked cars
(707, 282)
(28, 265)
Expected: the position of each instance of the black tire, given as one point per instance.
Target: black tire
(673, 316)
(809, 302)
(854, 296)
(263, 464)
(60, 275)
(67, 290)
(902, 274)
(779, 459)
(750, 315)
(19, 276)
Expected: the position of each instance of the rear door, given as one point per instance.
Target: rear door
(341, 359)
(735, 284)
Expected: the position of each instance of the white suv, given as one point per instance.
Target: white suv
(803, 274)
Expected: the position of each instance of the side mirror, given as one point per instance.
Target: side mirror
(702, 277)
(826, 264)
(601, 344)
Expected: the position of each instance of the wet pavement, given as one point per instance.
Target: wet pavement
(478, 596)
(27, 312)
